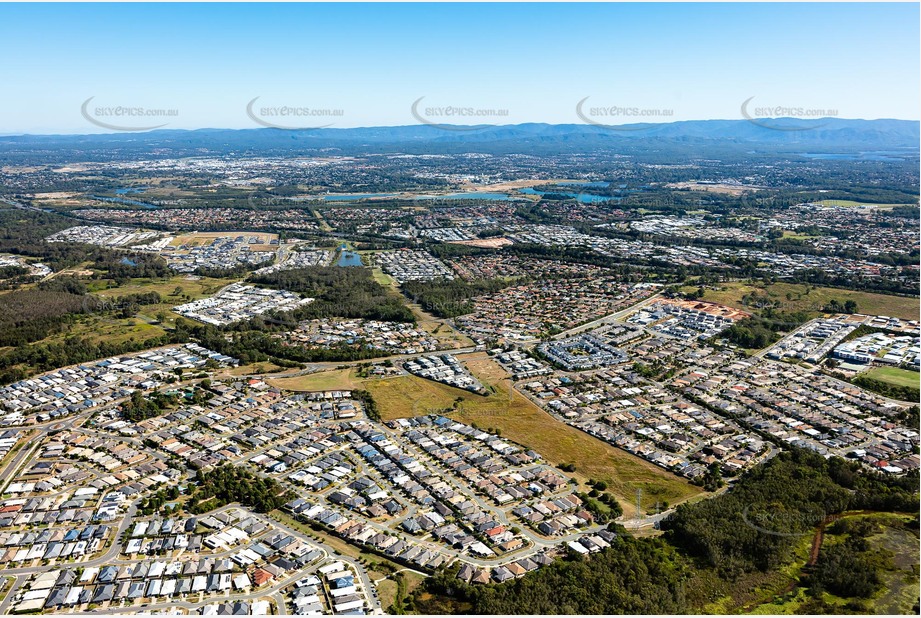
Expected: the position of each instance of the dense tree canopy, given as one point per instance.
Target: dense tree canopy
(754, 526)
(348, 292)
(634, 576)
(228, 483)
(709, 547)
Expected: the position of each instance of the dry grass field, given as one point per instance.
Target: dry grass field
(206, 238)
(817, 297)
(336, 379)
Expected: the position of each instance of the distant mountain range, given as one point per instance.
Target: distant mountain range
(783, 135)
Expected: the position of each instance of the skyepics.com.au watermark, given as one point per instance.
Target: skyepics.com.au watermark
(268, 201)
(125, 117)
(613, 116)
(770, 201)
(99, 305)
(446, 116)
(777, 117)
(782, 523)
(292, 117)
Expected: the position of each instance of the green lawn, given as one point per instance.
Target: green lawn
(383, 278)
(110, 329)
(795, 236)
(852, 203)
(190, 289)
(896, 376)
(336, 379)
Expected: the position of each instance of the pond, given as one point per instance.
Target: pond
(348, 258)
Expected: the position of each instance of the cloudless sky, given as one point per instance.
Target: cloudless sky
(372, 61)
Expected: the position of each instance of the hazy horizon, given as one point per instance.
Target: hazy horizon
(397, 126)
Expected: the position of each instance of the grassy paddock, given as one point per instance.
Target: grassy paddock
(855, 204)
(520, 420)
(815, 298)
(337, 379)
(192, 289)
(896, 376)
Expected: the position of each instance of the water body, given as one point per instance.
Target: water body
(355, 196)
(582, 198)
(348, 258)
(126, 202)
(127, 190)
(128, 262)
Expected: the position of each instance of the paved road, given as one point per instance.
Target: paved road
(604, 320)
(281, 608)
(11, 469)
(367, 586)
(57, 424)
(14, 587)
(35, 434)
(111, 553)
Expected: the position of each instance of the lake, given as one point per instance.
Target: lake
(348, 258)
(582, 198)
(121, 200)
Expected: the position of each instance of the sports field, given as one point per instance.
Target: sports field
(896, 376)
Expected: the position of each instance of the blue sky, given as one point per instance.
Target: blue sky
(372, 61)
